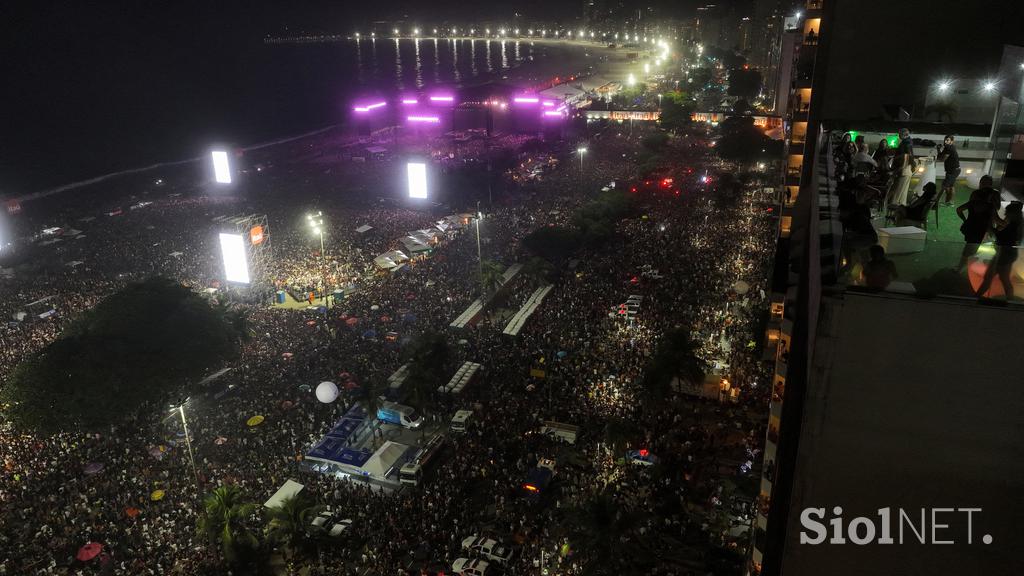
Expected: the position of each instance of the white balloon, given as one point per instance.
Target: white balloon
(327, 392)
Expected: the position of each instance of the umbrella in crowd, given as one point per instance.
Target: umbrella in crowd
(157, 495)
(92, 468)
(89, 551)
(254, 421)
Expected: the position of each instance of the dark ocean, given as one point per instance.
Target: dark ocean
(158, 106)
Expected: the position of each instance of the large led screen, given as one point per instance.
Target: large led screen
(417, 180)
(236, 268)
(221, 168)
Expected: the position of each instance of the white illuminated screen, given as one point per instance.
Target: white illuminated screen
(236, 269)
(221, 169)
(417, 180)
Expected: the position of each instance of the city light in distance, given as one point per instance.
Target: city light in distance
(221, 167)
(944, 85)
(989, 85)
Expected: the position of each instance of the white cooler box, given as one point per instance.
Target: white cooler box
(902, 239)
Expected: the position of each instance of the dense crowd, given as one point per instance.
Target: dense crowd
(61, 492)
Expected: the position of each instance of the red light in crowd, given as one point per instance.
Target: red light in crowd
(644, 452)
(770, 210)
(677, 192)
(633, 189)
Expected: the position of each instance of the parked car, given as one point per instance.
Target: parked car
(470, 567)
(328, 517)
(488, 548)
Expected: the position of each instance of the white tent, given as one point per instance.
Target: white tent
(389, 260)
(364, 228)
(290, 488)
(384, 459)
(412, 245)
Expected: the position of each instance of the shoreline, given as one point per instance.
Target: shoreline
(51, 191)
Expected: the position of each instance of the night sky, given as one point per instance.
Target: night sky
(77, 74)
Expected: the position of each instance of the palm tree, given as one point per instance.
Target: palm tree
(288, 524)
(606, 536)
(619, 432)
(491, 276)
(225, 522)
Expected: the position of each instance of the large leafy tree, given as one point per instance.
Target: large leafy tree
(552, 243)
(136, 346)
(743, 142)
(744, 83)
(675, 357)
(225, 522)
(676, 111)
(429, 355)
(538, 269)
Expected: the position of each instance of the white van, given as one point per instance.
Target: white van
(460, 420)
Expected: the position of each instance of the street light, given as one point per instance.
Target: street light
(582, 150)
(188, 442)
(989, 85)
(944, 85)
(316, 223)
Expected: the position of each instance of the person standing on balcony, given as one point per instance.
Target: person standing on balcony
(980, 212)
(1008, 238)
(904, 165)
(951, 161)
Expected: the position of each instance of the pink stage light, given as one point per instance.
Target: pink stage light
(523, 100)
(410, 101)
(427, 119)
(552, 113)
(442, 98)
(369, 107)
(547, 103)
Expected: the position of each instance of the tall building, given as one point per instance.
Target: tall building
(894, 392)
